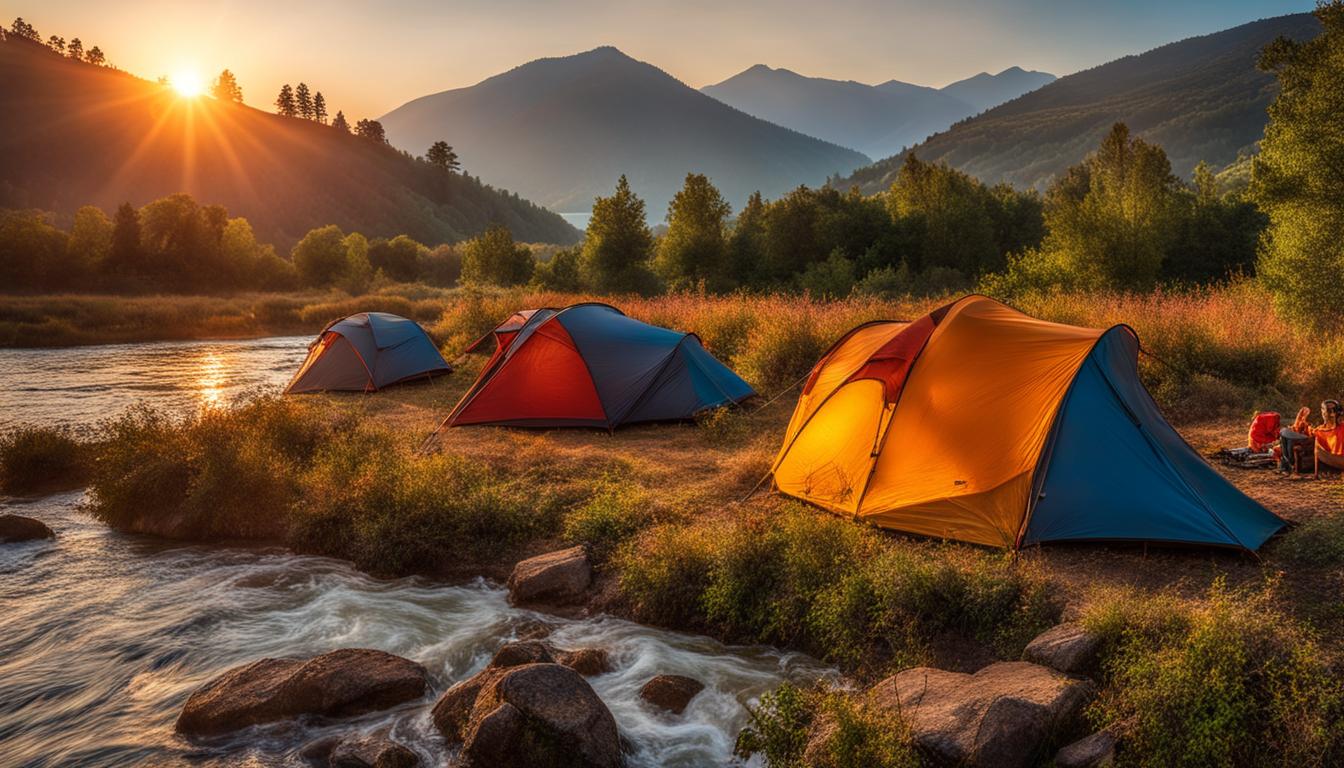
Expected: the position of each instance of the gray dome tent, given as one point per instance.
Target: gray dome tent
(366, 352)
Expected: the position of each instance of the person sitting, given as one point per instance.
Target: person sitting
(1329, 437)
(1295, 442)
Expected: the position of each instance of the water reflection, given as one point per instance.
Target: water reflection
(81, 385)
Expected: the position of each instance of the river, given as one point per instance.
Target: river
(104, 635)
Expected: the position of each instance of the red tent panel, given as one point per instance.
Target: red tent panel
(546, 377)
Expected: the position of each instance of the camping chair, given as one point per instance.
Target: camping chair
(1331, 460)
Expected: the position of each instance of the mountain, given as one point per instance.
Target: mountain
(1202, 98)
(984, 90)
(876, 120)
(74, 134)
(562, 130)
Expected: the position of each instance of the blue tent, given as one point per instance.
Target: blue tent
(590, 365)
(366, 352)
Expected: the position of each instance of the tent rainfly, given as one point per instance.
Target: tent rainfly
(981, 424)
(589, 365)
(366, 352)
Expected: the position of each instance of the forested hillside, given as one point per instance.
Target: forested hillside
(75, 133)
(1201, 99)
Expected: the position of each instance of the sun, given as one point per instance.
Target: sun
(188, 84)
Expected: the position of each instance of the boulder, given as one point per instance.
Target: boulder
(376, 751)
(1095, 751)
(555, 577)
(531, 714)
(350, 681)
(1001, 716)
(453, 709)
(671, 692)
(589, 662)
(1066, 647)
(20, 528)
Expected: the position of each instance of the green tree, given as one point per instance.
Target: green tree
(358, 272)
(829, 279)
(320, 257)
(339, 122)
(284, 103)
(560, 272)
(1219, 234)
(226, 88)
(694, 250)
(1298, 178)
(746, 244)
(90, 238)
(441, 266)
(320, 108)
(617, 245)
(398, 258)
(946, 216)
(33, 253)
(1112, 219)
(303, 101)
(493, 258)
(181, 241)
(442, 156)
(21, 28)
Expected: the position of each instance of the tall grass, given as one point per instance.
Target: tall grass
(793, 727)
(290, 471)
(35, 459)
(841, 591)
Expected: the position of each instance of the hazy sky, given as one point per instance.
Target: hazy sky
(368, 58)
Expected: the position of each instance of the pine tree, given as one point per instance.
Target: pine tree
(694, 249)
(225, 88)
(303, 101)
(443, 156)
(284, 103)
(56, 44)
(319, 108)
(95, 56)
(371, 130)
(75, 50)
(339, 123)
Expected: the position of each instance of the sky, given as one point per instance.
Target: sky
(369, 58)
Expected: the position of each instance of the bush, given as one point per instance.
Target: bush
(222, 473)
(848, 732)
(780, 352)
(1318, 542)
(615, 512)
(392, 512)
(1227, 681)
(828, 586)
(34, 459)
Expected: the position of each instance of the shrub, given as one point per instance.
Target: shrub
(844, 731)
(831, 587)
(1227, 681)
(392, 512)
(723, 426)
(34, 459)
(615, 512)
(780, 352)
(222, 473)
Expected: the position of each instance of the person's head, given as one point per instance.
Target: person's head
(1331, 411)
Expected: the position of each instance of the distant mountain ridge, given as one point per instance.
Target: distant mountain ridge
(78, 134)
(878, 120)
(562, 130)
(1202, 98)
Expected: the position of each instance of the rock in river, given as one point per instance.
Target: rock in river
(1001, 716)
(671, 692)
(555, 577)
(349, 681)
(521, 712)
(20, 528)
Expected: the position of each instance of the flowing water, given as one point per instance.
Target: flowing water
(104, 635)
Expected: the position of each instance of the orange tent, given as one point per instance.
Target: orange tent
(979, 423)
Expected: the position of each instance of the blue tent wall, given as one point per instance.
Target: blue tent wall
(1116, 470)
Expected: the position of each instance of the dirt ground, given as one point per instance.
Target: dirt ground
(699, 470)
